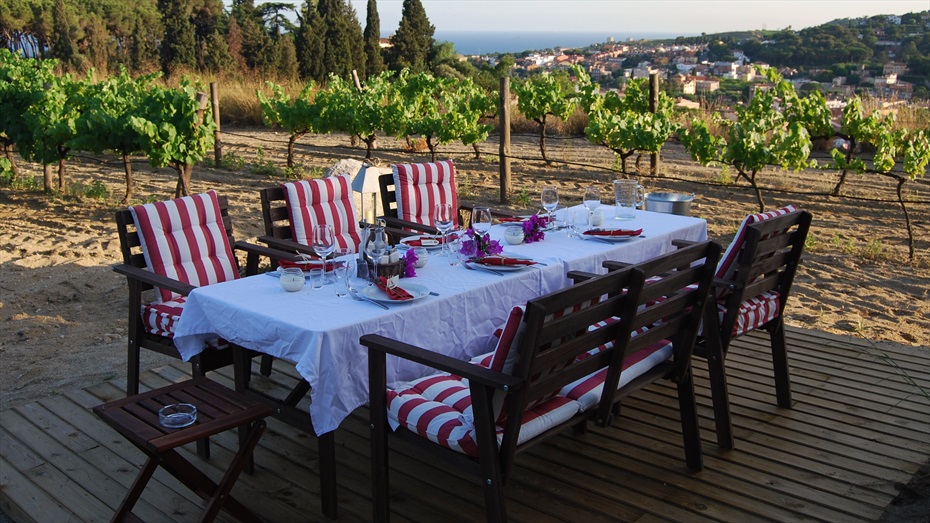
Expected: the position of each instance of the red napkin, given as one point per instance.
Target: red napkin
(508, 219)
(614, 232)
(307, 265)
(499, 260)
(419, 242)
(395, 293)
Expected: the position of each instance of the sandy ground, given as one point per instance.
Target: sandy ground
(63, 310)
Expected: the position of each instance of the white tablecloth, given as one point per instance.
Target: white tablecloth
(320, 332)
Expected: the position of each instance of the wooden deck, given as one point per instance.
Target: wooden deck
(857, 428)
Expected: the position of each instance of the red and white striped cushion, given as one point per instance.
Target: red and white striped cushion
(420, 186)
(323, 201)
(439, 408)
(185, 240)
(161, 318)
(727, 264)
(506, 355)
(754, 312)
(587, 391)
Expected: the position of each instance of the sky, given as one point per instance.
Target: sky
(617, 17)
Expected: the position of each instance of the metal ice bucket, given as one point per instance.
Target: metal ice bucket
(669, 202)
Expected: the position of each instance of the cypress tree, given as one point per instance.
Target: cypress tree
(309, 44)
(177, 48)
(413, 40)
(374, 61)
(341, 45)
(62, 45)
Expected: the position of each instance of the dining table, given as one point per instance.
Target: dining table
(319, 332)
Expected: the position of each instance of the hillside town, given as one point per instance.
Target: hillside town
(692, 75)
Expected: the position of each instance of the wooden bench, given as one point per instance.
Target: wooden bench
(218, 409)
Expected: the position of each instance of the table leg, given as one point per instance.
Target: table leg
(326, 445)
(125, 508)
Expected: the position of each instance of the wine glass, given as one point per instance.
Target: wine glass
(356, 275)
(323, 242)
(376, 248)
(481, 220)
(550, 200)
(444, 219)
(592, 198)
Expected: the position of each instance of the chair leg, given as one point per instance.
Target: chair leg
(203, 445)
(265, 368)
(720, 396)
(691, 431)
(240, 461)
(780, 364)
(132, 370)
(135, 492)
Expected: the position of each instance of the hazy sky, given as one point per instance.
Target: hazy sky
(616, 17)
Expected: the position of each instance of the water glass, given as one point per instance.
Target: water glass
(444, 220)
(357, 275)
(340, 270)
(628, 195)
(317, 278)
(592, 198)
(550, 201)
(481, 220)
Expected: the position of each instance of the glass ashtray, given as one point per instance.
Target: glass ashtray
(177, 415)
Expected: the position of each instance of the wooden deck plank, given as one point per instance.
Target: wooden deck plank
(856, 429)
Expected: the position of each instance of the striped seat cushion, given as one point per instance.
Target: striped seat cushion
(419, 187)
(727, 264)
(160, 318)
(438, 408)
(754, 312)
(185, 240)
(323, 201)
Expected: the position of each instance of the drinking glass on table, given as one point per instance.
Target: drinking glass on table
(550, 201)
(340, 270)
(592, 198)
(356, 275)
(481, 220)
(444, 219)
(323, 241)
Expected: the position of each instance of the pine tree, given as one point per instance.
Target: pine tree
(413, 40)
(374, 61)
(177, 48)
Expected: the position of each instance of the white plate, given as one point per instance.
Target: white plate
(611, 239)
(505, 268)
(424, 236)
(372, 292)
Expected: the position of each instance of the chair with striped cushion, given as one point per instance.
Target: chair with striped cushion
(753, 281)
(175, 246)
(290, 210)
(411, 191)
(465, 411)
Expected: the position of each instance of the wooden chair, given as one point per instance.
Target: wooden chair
(436, 179)
(563, 359)
(279, 230)
(151, 324)
(751, 288)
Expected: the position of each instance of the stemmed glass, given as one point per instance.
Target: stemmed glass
(592, 198)
(376, 248)
(444, 219)
(550, 200)
(481, 220)
(323, 243)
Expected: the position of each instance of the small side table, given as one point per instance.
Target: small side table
(218, 409)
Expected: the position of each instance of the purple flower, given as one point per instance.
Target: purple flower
(532, 229)
(477, 246)
(410, 260)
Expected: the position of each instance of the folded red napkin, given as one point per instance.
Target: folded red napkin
(307, 265)
(395, 293)
(499, 260)
(613, 232)
(430, 242)
(508, 219)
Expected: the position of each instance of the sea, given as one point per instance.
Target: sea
(487, 42)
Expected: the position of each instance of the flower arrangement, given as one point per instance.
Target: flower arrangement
(410, 262)
(475, 245)
(533, 229)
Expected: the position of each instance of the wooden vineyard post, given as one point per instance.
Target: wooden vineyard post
(653, 107)
(504, 113)
(217, 143)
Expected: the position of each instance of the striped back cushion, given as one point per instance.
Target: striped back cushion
(185, 240)
(505, 355)
(727, 265)
(419, 187)
(323, 201)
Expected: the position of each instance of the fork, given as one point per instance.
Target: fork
(356, 296)
(479, 268)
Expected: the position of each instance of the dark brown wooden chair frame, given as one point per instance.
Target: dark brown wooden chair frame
(767, 261)
(140, 279)
(684, 287)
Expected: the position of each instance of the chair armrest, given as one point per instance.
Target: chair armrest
(611, 265)
(288, 246)
(683, 243)
(254, 252)
(398, 223)
(580, 276)
(155, 280)
(472, 372)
